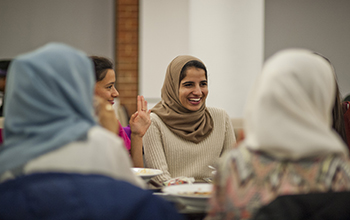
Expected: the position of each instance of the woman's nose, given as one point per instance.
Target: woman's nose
(197, 90)
(115, 92)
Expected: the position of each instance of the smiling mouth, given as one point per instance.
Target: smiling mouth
(195, 100)
(112, 102)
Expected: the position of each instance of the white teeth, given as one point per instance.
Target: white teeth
(195, 100)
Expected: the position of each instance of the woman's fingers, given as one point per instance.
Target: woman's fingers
(139, 104)
(133, 117)
(145, 104)
(140, 120)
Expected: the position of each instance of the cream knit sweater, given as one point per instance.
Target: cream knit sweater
(177, 157)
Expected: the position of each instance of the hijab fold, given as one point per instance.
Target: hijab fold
(49, 96)
(193, 126)
(289, 112)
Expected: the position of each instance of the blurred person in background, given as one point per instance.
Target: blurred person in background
(289, 146)
(57, 162)
(4, 64)
(345, 104)
(339, 118)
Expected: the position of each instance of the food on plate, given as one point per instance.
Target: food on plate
(179, 181)
(144, 172)
(196, 193)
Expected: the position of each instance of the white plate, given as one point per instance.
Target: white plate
(185, 194)
(146, 173)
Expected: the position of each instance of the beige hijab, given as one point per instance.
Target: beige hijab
(289, 114)
(193, 126)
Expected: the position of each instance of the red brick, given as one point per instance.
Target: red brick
(127, 78)
(128, 11)
(127, 37)
(127, 2)
(128, 24)
(127, 51)
(122, 67)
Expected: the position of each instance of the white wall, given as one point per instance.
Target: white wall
(320, 25)
(164, 34)
(227, 35)
(85, 24)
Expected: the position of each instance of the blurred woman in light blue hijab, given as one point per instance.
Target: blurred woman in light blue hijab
(56, 161)
(50, 124)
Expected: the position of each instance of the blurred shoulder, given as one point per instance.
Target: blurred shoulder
(97, 131)
(98, 134)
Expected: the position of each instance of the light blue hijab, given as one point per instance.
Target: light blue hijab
(49, 103)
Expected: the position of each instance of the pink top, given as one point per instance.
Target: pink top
(125, 137)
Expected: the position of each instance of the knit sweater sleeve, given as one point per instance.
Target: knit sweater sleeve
(154, 149)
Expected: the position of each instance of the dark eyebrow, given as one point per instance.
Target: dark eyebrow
(111, 83)
(193, 82)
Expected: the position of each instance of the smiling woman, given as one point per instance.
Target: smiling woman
(193, 85)
(185, 136)
(105, 88)
(139, 121)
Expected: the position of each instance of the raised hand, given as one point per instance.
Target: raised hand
(140, 120)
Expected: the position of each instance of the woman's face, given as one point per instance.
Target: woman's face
(193, 89)
(105, 88)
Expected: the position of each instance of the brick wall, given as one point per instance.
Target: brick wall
(127, 51)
